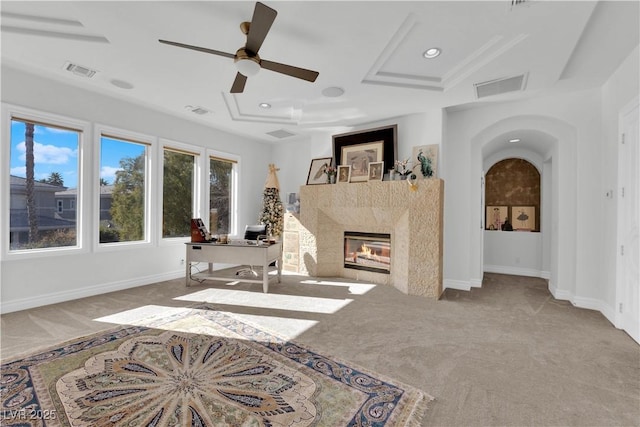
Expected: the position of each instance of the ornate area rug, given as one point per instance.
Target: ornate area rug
(200, 367)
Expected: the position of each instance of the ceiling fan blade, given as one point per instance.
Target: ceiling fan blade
(200, 49)
(263, 17)
(290, 70)
(238, 83)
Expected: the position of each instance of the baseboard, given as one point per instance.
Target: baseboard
(456, 284)
(56, 297)
(559, 293)
(595, 304)
(475, 283)
(582, 302)
(516, 271)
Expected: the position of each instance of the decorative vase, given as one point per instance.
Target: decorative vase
(331, 179)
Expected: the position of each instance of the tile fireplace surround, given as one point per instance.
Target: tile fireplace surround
(413, 218)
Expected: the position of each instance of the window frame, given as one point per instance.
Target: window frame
(151, 143)
(10, 112)
(198, 176)
(235, 176)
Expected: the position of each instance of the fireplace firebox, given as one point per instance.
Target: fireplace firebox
(367, 251)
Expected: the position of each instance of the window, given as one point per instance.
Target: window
(178, 192)
(123, 179)
(43, 166)
(221, 200)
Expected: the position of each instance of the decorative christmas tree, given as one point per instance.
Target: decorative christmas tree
(272, 214)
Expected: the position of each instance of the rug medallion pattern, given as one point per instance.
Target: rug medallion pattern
(200, 368)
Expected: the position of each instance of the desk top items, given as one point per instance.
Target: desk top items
(199, 232)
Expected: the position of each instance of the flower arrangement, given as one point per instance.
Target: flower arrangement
(403, 167)
(331, 173)
(330, 170)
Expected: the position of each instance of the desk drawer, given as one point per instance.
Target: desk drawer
(198, 253)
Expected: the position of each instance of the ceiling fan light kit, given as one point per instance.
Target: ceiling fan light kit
(246, 59)
(248, 67)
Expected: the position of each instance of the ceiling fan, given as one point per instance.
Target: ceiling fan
(247, 61)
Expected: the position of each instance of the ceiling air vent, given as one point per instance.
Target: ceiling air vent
(201, 111)
(500, 86)
(280, 134)
(79, 70)
(520, 4)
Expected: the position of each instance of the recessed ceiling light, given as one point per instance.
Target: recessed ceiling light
(432, 52)
(264, 105)
(333, 92)
(121, 84)
(514, 140)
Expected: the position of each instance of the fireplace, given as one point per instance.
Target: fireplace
(367, 251)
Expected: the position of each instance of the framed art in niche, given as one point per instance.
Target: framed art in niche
(523, 218)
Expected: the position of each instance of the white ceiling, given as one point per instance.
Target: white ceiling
(371, 49)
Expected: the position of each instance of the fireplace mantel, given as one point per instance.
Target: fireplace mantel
(413, 218)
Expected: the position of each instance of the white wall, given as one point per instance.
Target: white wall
(621, 88)
(36, 280)
(513, 252)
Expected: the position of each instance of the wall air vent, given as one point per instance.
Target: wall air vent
(500, 86)
(79, 70)
(281, 133)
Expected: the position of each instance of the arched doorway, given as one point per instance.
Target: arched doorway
(512, 238)
(550, 145)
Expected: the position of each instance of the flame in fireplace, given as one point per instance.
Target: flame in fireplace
(366, 251)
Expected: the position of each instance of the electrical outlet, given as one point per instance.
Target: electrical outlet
(182, 261)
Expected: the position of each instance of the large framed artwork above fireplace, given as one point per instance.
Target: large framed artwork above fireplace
(413, 220)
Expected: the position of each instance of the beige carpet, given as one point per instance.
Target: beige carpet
(199, 367)
(507, 354)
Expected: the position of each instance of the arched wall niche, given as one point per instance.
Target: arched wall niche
(512, 183)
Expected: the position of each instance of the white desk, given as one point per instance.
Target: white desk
(235, 253)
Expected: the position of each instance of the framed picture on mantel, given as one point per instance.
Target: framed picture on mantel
(358, 149)
(344, 173)
(375, 171)
(360, 156)
(316, 171)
